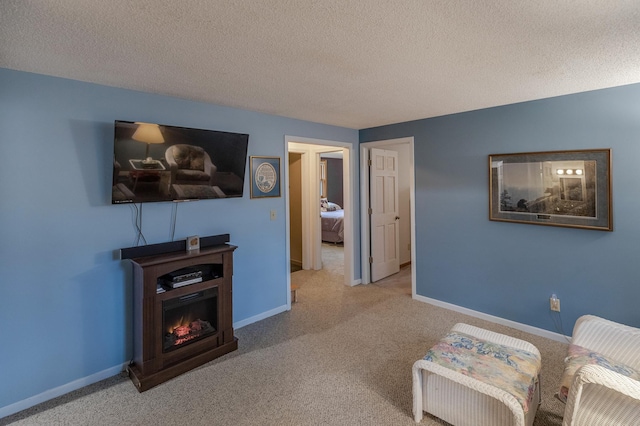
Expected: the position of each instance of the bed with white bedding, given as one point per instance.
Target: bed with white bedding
(332, 221)
(333, 226)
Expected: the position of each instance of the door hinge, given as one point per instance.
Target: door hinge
(370, 211)
(370, 259)
(370, 162)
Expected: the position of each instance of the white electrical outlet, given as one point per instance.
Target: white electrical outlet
(554, 303)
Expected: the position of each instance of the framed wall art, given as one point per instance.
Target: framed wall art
(558, 188)
(265, 177)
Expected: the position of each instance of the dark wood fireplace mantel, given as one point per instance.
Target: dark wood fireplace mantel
(152, 362)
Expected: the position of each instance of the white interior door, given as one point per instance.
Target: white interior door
(385, 219)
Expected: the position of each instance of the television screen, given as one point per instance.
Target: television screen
(154, 162)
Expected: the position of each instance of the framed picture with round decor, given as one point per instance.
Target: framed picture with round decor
(265, 177)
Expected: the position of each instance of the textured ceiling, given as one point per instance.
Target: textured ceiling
(355, 64)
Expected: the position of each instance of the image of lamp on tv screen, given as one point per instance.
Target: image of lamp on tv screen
(154, 162)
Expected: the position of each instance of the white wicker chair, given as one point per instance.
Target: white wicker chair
(599, 396)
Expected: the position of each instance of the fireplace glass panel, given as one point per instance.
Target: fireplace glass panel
(189, 318)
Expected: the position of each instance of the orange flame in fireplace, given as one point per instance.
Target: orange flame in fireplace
(181, 327)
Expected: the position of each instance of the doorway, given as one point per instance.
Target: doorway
(404, 147)
(332, 230)
(331, 210)
(305, 154)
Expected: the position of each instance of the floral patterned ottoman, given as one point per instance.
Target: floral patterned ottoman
(477, 377)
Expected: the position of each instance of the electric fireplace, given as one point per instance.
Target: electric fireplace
(189, 318)
(182, 313)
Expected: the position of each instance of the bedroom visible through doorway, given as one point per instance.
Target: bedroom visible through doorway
(331, 205)
(306, 163)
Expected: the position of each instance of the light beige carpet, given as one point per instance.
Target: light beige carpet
(341, 356)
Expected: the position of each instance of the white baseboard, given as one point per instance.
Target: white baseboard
(109, 372)
(261, 316)
(60, 390)
(104, 374)
(518, 326)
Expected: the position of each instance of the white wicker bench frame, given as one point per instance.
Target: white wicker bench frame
(465, 401)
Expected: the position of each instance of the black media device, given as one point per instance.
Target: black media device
(183, 277)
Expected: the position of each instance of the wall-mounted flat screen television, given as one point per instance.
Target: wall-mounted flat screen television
(155, 162)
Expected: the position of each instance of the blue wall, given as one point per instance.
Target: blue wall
(510, 270)
(66, 301)
(65, 307)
